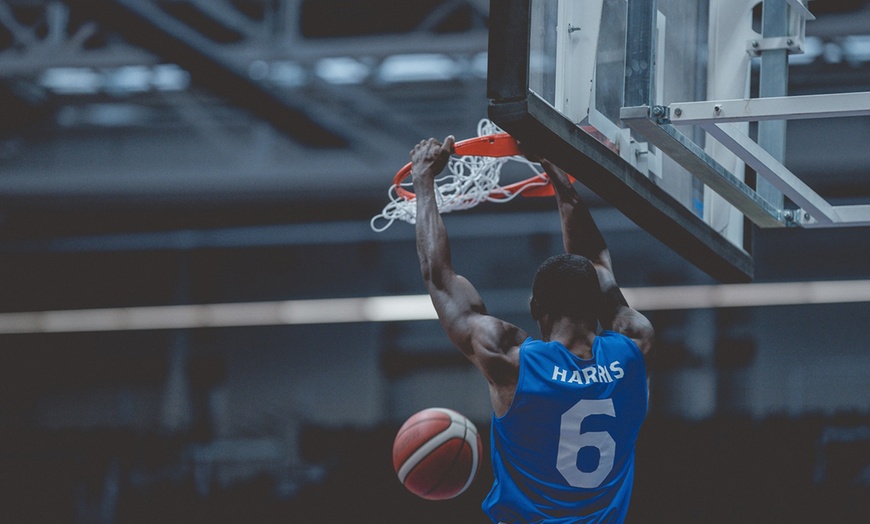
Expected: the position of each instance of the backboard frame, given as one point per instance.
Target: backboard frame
(532, 121)
(628, 172)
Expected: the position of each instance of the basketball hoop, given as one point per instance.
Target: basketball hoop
(472, 177)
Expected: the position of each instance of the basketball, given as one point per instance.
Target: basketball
(436, 453)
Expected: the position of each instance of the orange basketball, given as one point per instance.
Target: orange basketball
(437, 453)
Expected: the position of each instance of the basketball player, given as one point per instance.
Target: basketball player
(567, 407)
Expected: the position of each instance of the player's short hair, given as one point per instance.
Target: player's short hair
(567, 285)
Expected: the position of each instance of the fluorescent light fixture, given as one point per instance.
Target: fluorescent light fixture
(258, 70)
(748, 295)
(71, 80)
(127, 79)
(342, 70)
(479, 65)
(119, 80)
(813, 48)
(408, 307)
(288, 74)
(113, 115)
(170, 77)
(417, 68)
(856, 48)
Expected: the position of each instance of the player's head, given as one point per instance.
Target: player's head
(566, 286)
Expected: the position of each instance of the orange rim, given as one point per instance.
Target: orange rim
(496, 146)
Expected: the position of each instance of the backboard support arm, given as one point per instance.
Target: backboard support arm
(714, 116)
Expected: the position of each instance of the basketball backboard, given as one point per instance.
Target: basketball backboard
(648, 104)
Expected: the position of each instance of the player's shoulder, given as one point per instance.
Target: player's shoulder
(612, 336)
(496, 338)
(615, 341)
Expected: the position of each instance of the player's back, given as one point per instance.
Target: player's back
(564, 451)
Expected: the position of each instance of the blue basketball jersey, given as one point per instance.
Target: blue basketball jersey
(564, 451)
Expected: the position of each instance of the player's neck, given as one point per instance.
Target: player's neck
(577, 338)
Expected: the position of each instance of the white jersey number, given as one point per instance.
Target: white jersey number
(572, 440)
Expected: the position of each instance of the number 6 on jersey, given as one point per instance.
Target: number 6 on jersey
(572, 440)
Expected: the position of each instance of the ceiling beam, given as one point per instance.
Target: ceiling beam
(145, 24)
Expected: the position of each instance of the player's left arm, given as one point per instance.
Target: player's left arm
(486, 341)
(581, 236)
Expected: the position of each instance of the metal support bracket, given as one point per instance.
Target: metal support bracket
(775, 173)
(798, 14)
(792, 44)
(832, 105)
(799, 8)
(815, 211)
(854, 216)
(689, 155)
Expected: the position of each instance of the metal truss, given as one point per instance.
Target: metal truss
(261, 63)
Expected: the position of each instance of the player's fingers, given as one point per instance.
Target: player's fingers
(421, 145)
(448, 143)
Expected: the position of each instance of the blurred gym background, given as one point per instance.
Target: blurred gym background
(167, 152)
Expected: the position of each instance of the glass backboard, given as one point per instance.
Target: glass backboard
(648, 103)
(583, 62)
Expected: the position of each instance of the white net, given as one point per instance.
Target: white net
(466, 182)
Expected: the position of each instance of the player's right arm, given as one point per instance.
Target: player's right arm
(581, 236)
(489, 343)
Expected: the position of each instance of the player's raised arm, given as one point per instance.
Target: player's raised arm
(485, 340)
(581, 236)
